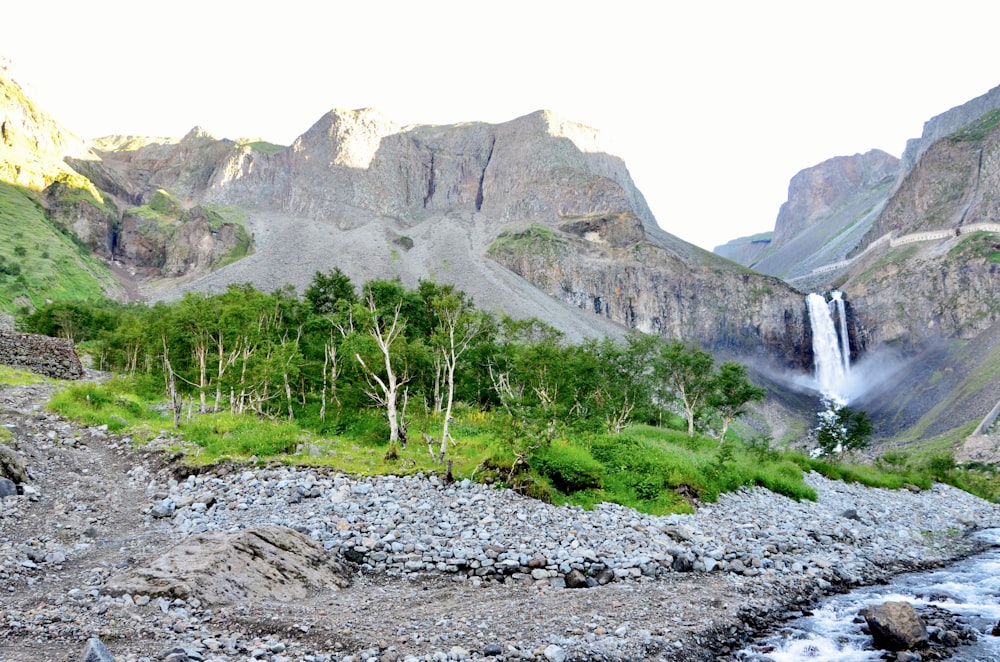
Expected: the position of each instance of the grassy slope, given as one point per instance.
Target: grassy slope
(48, 264)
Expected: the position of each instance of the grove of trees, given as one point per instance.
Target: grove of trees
(386, 352)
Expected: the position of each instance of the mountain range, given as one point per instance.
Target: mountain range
(534, 218)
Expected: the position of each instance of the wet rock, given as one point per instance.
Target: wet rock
(895, 626)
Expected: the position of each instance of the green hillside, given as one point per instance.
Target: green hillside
(38, 261)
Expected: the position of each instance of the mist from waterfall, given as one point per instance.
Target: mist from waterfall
(831, 350)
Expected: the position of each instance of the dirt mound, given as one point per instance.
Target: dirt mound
(273, 563)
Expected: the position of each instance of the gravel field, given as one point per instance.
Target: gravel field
(437, 571)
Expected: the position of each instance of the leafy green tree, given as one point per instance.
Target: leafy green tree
(684, 374)
(326, 290)
(731, 393)
(842, 429)
(621, 382)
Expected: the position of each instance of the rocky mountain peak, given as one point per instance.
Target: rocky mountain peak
(197, 134)
(819, 191)
(344, 138)
(32, 144)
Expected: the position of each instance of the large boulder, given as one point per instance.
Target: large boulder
(12, 465)
(271, 563)
(895, 626)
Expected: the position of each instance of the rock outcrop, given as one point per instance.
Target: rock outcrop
(270, 563)
(830, 208)
(536, 195)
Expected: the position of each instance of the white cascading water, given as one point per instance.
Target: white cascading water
(845, 341)
(831, 351)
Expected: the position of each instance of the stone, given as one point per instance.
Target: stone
(7, 488)
(272, 562)
(12, 465)
(96, 651)
(950, 638)
(163, 509)
(492, 650)
(555, 653)
(605, 576)
(575, 579)
(895, 626)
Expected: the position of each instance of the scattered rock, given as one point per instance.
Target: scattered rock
(895, 626)
(7, 488)
(575, 579)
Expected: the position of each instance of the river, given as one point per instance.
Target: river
(969, 589)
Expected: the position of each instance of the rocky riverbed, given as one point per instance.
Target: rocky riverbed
(431, 571)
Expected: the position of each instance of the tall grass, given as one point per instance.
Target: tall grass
(654, 470)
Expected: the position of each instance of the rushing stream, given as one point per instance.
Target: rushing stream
(969, 589)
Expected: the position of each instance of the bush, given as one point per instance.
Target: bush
(241, 436)
(113, 403)
(570, 468)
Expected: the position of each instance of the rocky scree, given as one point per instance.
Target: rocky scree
(438, 571)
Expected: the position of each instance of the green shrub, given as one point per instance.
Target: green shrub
(113, 403)
(569, 467)
(241, 435)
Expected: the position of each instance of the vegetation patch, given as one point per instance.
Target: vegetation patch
(536, 239)
(261, 146)
(393, 380)
(978, 129)
(40, 260)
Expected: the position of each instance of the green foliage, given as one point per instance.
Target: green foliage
(262, 146)
(536, 239)
(165, 204)
(329, 292)
(977, 129)
(75, 320)
(571, 468)
(15, 377)
(244, 436)
(842, 430)
(65, 270)
(114, 403)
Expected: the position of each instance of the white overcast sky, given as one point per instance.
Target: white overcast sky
(713, 105)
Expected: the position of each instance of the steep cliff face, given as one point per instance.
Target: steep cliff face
(955, 183)
(535, 194)
(644, 286)
(829, 210)
(32, 144)
(819, 191)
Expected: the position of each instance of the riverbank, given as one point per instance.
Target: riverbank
(438, 571)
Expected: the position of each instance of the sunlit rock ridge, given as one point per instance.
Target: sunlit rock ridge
(531, 217)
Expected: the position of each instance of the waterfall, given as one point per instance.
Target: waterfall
(845, 342)
(831, 351)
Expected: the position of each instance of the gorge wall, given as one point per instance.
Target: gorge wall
(536, 195)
